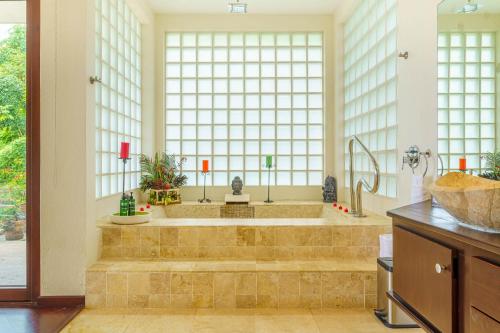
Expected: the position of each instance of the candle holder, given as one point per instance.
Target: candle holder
(205, 199)
(124, 160)
(268, 167)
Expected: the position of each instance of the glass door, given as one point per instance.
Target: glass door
(13, 142)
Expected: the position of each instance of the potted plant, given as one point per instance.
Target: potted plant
(492, 166)
(162, 178)
(12, 227)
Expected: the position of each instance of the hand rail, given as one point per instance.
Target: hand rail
(356, 196)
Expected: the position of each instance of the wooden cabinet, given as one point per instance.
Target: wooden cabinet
(447, 277)
(423, 277)
(481, 323)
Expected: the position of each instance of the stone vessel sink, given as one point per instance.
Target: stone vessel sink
(472, 200)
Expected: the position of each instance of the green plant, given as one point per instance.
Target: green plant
(492, 161)
(161, 172)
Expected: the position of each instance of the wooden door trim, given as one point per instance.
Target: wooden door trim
(33, 146)
(32, 290)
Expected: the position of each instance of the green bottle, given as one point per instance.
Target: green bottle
(131, 205)
(124, 205)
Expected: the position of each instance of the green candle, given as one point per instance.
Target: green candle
(269, 161)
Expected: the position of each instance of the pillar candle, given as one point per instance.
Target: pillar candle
(462, 164)
(205, 166)
(269, 161)
(124, 150)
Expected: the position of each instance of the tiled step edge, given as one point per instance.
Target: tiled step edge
(151, 284)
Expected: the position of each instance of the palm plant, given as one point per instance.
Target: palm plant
(492, 166)
(161, 172)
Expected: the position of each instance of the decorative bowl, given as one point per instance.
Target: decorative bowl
(472, 200)
(138, 218)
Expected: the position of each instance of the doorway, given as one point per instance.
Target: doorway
(19, 150)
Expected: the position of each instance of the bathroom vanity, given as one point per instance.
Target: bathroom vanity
(447, 277)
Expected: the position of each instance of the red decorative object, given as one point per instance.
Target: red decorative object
(148, 206)
(462, 164)
(124, 150)
(168, 186)
(205, 166)
(346, 210)
(141, 209)
(340, 207)
(334, 204)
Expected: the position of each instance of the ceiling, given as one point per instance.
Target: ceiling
(486, 6)
(254, 6)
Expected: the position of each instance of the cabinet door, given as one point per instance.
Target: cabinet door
(424, 278)
(481, 323)
(485, 287)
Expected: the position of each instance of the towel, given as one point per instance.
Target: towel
(385, 245)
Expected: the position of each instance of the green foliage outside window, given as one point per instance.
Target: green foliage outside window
(13, 120)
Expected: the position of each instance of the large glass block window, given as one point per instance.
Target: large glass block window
(233, 98)
(118, 97)
(466, 101)
(370, 81)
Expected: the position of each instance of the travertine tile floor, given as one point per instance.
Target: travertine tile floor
(230, 321)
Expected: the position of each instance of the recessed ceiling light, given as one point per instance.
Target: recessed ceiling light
(237, 7)
(469, 7)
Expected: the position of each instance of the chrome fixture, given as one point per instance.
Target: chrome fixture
(413, 156)
(356, 195)
(442, 165)
(94, 79)
(403, 55)
(237, 7)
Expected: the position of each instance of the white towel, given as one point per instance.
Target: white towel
(385, 245)
(419, 191)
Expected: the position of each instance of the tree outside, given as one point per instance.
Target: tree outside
(12, 128)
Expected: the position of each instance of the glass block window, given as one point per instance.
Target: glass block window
(118, 97)
(370, 81)
(233, 98)
(466, 100)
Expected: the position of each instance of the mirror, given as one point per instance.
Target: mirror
(468, 88)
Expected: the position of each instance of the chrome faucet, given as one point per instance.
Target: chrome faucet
(356, 195)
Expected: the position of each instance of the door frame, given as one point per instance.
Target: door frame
(31, 293)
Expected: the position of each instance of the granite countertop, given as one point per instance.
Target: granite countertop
(438, 220)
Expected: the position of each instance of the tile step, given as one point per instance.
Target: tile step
(234, 266)
(231, 284)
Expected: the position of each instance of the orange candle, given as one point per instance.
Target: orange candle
(462, 164)
(205, 166)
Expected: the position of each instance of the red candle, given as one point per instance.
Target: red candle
(205, 166)
(462, 164)
(124, 150)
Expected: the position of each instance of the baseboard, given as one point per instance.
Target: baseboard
(61, 301)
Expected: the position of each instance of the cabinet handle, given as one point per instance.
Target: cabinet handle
(440, 268)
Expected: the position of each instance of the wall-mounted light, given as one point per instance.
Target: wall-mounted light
(237, 7)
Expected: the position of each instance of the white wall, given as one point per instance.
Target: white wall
(64, 176)
(323, 23)
(417, 92)
(69, 237)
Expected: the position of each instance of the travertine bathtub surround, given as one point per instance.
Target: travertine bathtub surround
(216, 263)
(306, 284)
(242, 242)
(283, 209)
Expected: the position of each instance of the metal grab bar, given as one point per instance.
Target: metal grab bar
(356, 196)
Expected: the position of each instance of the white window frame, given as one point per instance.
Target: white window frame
(466, 97)
(370, 91)
(118, 96)
(303, 169)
